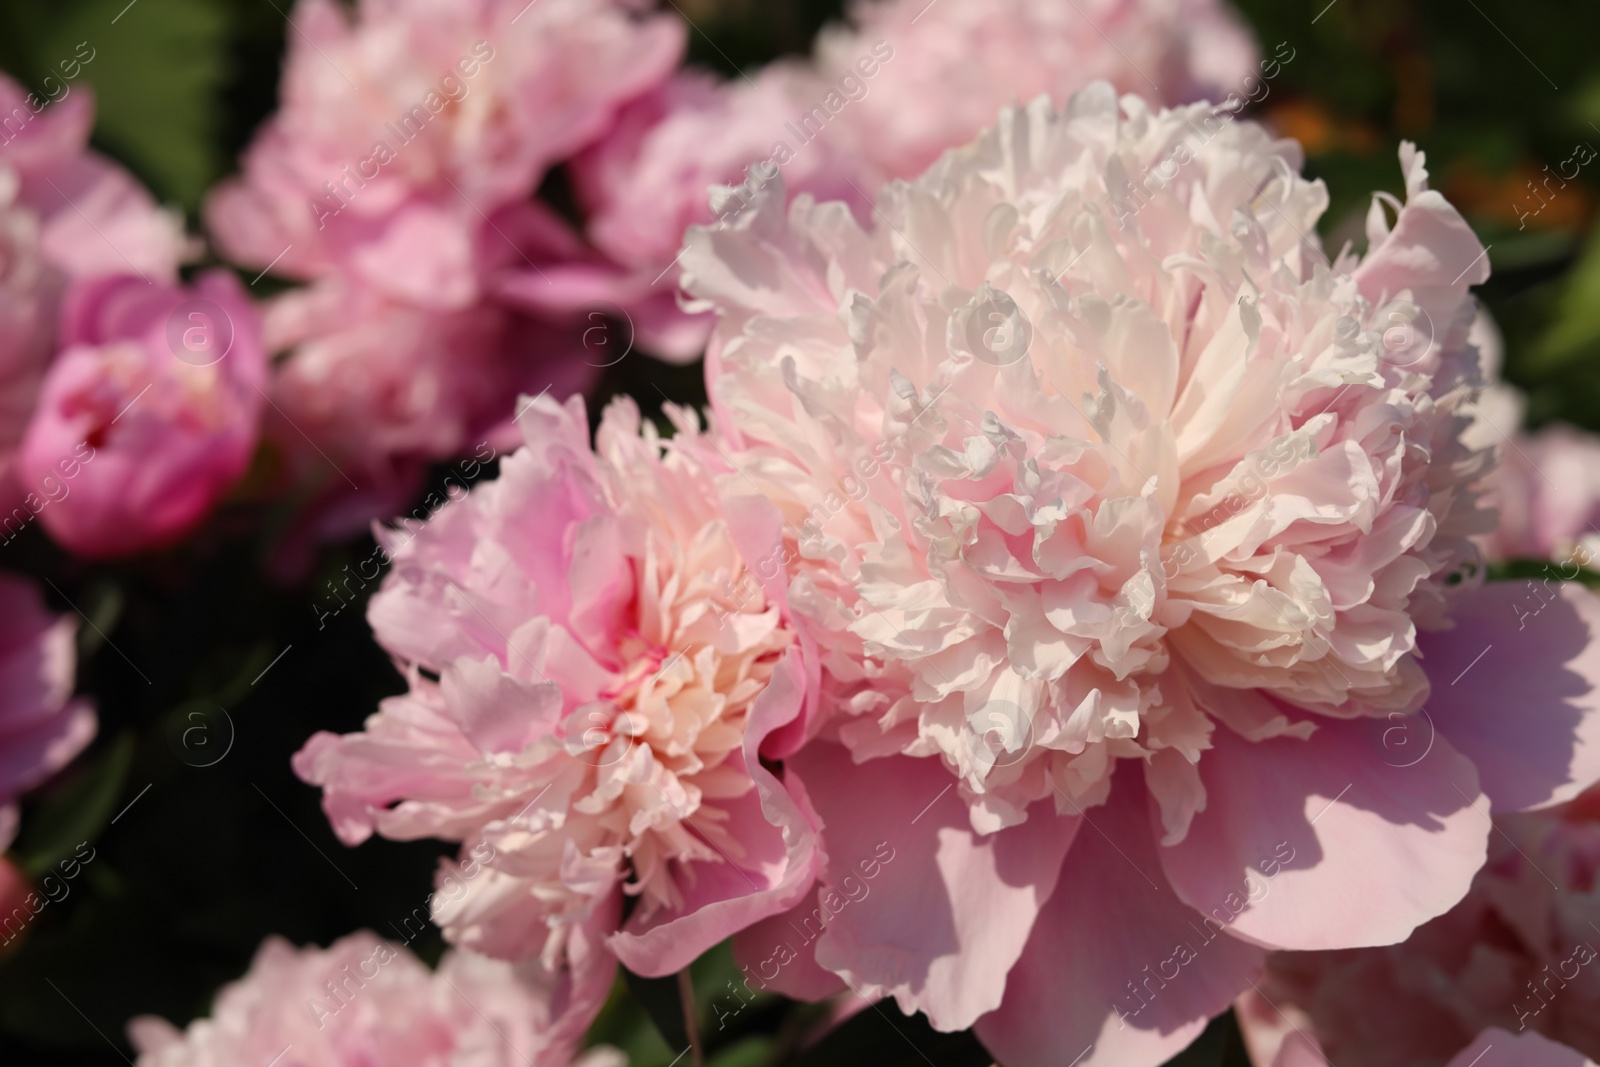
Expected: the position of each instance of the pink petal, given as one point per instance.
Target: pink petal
(1118, 971)
(1321, 844)
(776, 827)
(780, 954)
(915, 904)
(1498, 1048)
(1528, 711)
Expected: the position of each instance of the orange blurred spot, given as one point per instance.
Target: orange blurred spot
(1318, 131)
(1504, 198)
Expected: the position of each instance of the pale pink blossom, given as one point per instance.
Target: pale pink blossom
(364, 1001)
(1108, 499)
(594, 683)
(398, 179)
(149, 414)
(1493, 1048)
(1547, 493)
(405, 123)
(94, 217)
(66, 213)
(30, 291)
(653, 175)
(880, 99)
(1521, 952)
(953, 64)
(41, 726)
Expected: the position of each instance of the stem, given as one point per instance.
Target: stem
(691, 1021)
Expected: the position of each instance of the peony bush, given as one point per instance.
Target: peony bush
(967, 533)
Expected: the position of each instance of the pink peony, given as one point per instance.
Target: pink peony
(364, 1001)
(1547, 492)
(1521, 952)
(652, 177)
(1508, 1050)
(403, 127)
(955, 63)
(41, 726)
(590, 705)
(398, 179)
(95, 219)
(65, 212)
(29, 294)
(149, 414)
(1109, 500)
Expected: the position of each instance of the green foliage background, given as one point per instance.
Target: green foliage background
(209, 860)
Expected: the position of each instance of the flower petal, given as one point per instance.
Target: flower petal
(1321, 844)
(1112, 935)
(777, 830)
(915, 904)
(1516, 688)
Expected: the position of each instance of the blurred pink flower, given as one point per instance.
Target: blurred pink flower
(41, 726)
(1109, 500)
(364, 1001)
(1521, 952)
(401, 128)
(148, 416)
(95, 219)
(398, 179)
(591, 699)
(1547, 491)
(1509, 1050)
(651, 177)
(65, 213)
(29, 294)
(956, 63)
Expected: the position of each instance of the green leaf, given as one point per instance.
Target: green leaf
(76, 811)
(659, 999)
(157, 70)
(750, 1052)
(1527, 569)
(623, 1024)
(1574, 331)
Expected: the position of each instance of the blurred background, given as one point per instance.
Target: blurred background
(208, 676)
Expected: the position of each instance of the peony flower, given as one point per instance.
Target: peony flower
(1547, 492)
(397, 178)
(364, 1001)
(402, 127)
(650, 178)
(94, 217)
(149, 414)
(65, 213)
(29, 293)
(1520, 952)
(1116, 512)
(593, 690)
(953, 64)
(41, 726)
(840, 125)
(1510, 1050)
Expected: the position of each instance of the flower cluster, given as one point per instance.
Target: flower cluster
(1074, 530)
(1055, 626)
(364, 1000)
